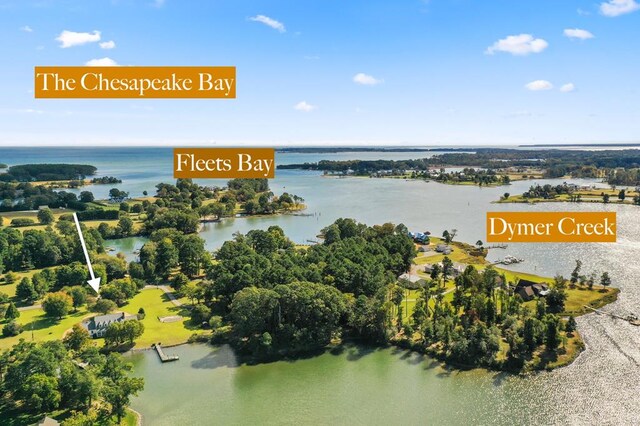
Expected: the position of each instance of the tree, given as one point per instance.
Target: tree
(605, 198)
(123, 332)
(10, 278)
(45, 216)
(571, 325)
(575, 275)
(552, 332)
(447, 236)
(479, 244)
(43, 392)
(57, 304)
(25, 290)
(506, 195)
(199, 314)
(11, 328)
(555, 300)
(191, 255)
(119, 387)
(605, 280)
(79, 296)
(104, 306)
(77, 338)
(86, 197)
(12, 312)
(179, 281)
(621, 195)
(167, 258)
(124, 227)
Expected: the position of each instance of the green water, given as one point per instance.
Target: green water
(354, 385)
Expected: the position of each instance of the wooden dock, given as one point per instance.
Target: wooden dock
(164, 357)
(630, 318)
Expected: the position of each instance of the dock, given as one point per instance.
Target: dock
(497, 246)
(164, 357)
(631, 319)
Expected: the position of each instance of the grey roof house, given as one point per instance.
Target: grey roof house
(97, 326)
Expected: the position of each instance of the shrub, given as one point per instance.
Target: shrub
(11, 329)
(19, 222)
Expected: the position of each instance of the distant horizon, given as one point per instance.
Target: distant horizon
(316, 145)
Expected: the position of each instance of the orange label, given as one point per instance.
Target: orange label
(224, 163)
(551, 227)
(135, 82)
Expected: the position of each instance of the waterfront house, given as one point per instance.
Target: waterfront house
(97, 326)
(529, 289)
(444, 248)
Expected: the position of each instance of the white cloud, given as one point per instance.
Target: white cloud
(30, 111)
(276, 25)
(304, 106)
(569, 87)
(102, 62)
(618, 7)
(578, 33)
(158, 3)
(108, 44)
(26, 29)
(539, 85)
(72, 38)
(521, 44)
(366, 79)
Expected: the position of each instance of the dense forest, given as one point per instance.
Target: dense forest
(47, 172)
(90, 388)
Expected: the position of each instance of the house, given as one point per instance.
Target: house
(529, 289)
(420, 237)
(414, 280)
(456, 268)
(47, 421)
(97, 326)
(444, 248)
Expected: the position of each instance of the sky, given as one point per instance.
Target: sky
(320, 72)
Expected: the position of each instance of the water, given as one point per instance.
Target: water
(384, 386)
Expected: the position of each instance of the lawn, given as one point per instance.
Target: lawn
(41, 327)
(157, 304)
(154, 301)
(10, 289)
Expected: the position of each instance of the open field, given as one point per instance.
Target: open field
(39, 328)
(157, 304)
(154, 301)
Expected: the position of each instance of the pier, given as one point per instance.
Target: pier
(631, 319)
(164, 357)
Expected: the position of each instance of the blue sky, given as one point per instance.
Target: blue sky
(412, 72)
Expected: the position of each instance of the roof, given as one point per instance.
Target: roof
(410, 277)
(526, 292)
(102, 321)
(526, 283)
(48, 421)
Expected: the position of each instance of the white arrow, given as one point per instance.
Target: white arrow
(93, 282)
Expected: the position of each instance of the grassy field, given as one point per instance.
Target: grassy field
(10, 289)
(39, 328)
(154, 301)
(157, 304)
